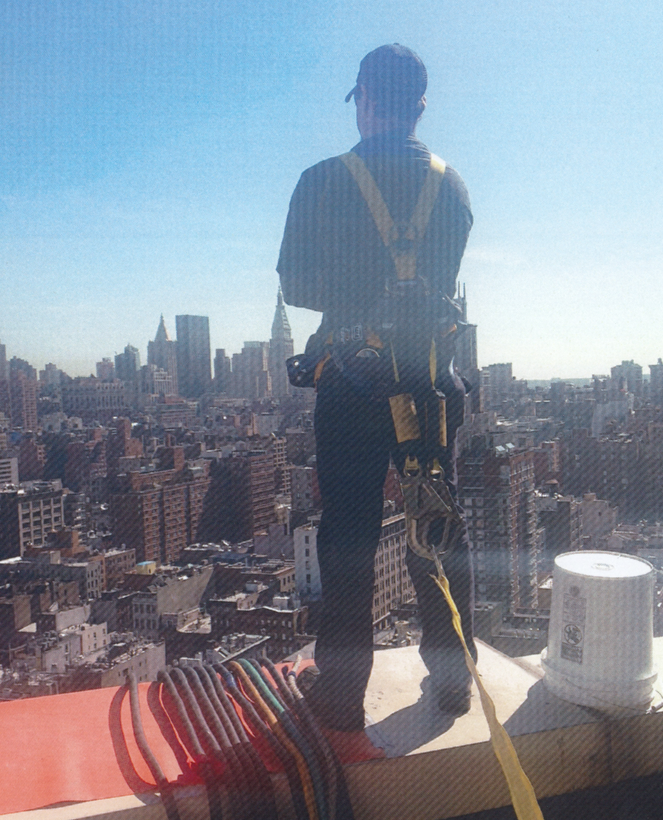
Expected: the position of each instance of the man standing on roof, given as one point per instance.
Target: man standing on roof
(374, 240)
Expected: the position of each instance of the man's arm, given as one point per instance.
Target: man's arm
(300, 262)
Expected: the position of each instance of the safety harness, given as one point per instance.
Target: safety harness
(418, 409)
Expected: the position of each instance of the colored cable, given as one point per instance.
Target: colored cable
(202, 760)
(259, 799)
(284, 754)
(273, 722)
(164, 787)
(214, 734)
(275, 703)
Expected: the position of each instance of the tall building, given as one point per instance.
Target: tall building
(5, 401)
(155, 381)
(121, 444)
(496, 488)
(251, 378)
(52, 376)
(105, 370)
(222, 372)
(23, 397)
(466, 358)
(496, 382)
(162, 352)
(242, 497)
(193, 356)
(158, 513)
(20, 365)
(393, 585)
(281, 467)
(624, 469)
(94, 400)
(8, 469)
(127, 363)
(561, 517)
(281, 347)
(27, 514)
(627, 377)
(655, 383)
(4, 375)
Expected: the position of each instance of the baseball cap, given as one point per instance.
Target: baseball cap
(392, 74)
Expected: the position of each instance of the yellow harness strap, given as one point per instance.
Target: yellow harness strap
(405, 260)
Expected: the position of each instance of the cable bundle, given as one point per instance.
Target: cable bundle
(237, 782)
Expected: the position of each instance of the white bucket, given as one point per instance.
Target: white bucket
(600, 639)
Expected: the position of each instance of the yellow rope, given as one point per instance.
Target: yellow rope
(522, 794)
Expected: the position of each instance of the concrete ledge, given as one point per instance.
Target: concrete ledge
(439, 768)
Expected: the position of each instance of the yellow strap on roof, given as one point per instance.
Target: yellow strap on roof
(414, 230)
(522, 794)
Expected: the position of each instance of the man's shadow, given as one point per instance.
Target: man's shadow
(411, 727)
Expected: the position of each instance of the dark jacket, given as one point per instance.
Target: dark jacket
(332, 257)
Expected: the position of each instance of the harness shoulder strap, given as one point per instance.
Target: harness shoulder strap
(431, 188)
(404, 259)
(371, 193)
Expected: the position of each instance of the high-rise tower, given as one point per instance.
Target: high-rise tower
(250, 377)
(4, 372)
(5, 402)
(280, 348)
(162, 352)
(127, 364)
(194, 369)
(465, 359)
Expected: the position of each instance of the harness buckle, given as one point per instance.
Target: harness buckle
(430, 515)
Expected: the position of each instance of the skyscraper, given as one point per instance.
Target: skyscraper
(23, 395)
(280, 348)
(193, 356)
(127, 364)
(162, 352)
(250, 375)
(496, 488)
(222, 372)
(5, 401)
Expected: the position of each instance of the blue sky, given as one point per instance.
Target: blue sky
(150, 150)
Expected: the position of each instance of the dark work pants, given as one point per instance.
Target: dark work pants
(354, 437)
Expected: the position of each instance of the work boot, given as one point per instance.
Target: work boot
(345, 720)
(455, 702)
(307, 678)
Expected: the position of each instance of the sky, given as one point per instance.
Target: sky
(150, 149)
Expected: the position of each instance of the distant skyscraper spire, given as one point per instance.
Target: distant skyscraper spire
(280, 348)
(162, 332)
(162, 352)
(281, 325)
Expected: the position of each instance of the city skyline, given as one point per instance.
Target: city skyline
(163, 324)
(150, 151)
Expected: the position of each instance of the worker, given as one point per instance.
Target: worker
(374, 240)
